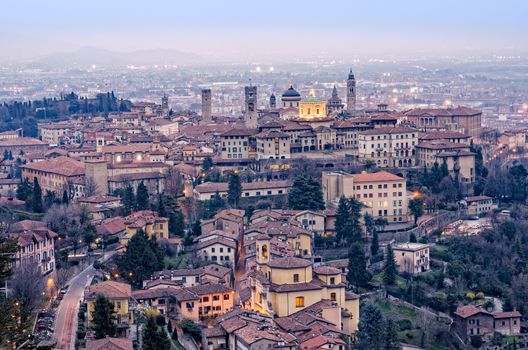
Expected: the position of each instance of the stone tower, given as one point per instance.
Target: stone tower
(351, 92)
(250, 106)
(165, 105)
(96, 171)
(206, 106)
(273, 101)
(250, 93)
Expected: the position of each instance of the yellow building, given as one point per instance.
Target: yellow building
(284, 286)
(312, 107)
(149, 222)
(118, 293)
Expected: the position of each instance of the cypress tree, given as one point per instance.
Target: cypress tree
(370, 333)
(389, 270)
(391, 336)
(65, 197)
(235, 190)
(37, 197)
(357, 276)
(142, 197)
(374, 245)
(103, 318)
(162, 212)
(129, 200)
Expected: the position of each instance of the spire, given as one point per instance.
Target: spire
(351, 75)
(334, 92)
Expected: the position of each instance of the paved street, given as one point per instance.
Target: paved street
(66, 318)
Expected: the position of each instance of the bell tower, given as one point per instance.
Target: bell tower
(262, 249)
(250, 106)
(351, 92)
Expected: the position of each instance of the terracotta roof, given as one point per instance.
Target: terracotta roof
(326, 270)
(26, 225)
(388, 130)
(507, 314)
(217, 240)
(65, 166)
(239, 132)
(212, 187)
(440, 145)
(375, 177)
(466, 311)
(289, 262)
(110, 289)
(441, 135)
(111, 226)
(458, 111)
(470, 199)
(109, 344)
(216, 331)
(136, 176)
(21, 141)
(320, 340)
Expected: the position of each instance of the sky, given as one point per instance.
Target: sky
(272, 29)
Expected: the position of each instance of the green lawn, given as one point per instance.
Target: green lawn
(177, 262)
(401, 311)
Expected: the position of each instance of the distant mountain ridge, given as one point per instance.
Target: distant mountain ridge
(88, 56)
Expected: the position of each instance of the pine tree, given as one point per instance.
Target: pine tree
(357, 276)
(370, 332)
(162, 212)
(197, 228)
(142, 258)
(129, 200)
(412, 238)
(154, 338)
(389, 270)
(24, 190)
(391, 336)
(142, 197)
(103, 318)
(235, 190)
(305, 194)
(36, 201)
(6, 154)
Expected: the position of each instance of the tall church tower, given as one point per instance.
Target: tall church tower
(273, 101)
(206, 107)
(250, 106)
(351, 92)
(165, 105)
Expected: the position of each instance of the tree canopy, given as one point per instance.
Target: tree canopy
(305, 194)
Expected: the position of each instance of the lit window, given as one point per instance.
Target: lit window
(299, 302)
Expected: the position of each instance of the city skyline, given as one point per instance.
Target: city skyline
(288, 31)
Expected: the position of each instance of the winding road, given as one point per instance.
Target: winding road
(66, 317)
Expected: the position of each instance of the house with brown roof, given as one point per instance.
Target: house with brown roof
(57, 175)
(478, 205)
(111, 227)
(36, 244)
(149, 222)
(470, 320)
(119, 294)
(109, 344)
(461, 119)
(388, 146)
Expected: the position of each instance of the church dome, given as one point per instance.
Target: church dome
(291, 93)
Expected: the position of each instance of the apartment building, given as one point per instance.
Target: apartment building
(388, 146)
(235, 143)
(384, 194)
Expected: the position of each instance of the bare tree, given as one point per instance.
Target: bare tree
(26, 288)
(90, 187)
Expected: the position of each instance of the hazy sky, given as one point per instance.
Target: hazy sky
(271, 28)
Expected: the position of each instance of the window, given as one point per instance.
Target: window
(216, 297)
(333, 296)
(299, 301)
(296, 278)
(205, 299)
(226, 296)
(332, 280)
